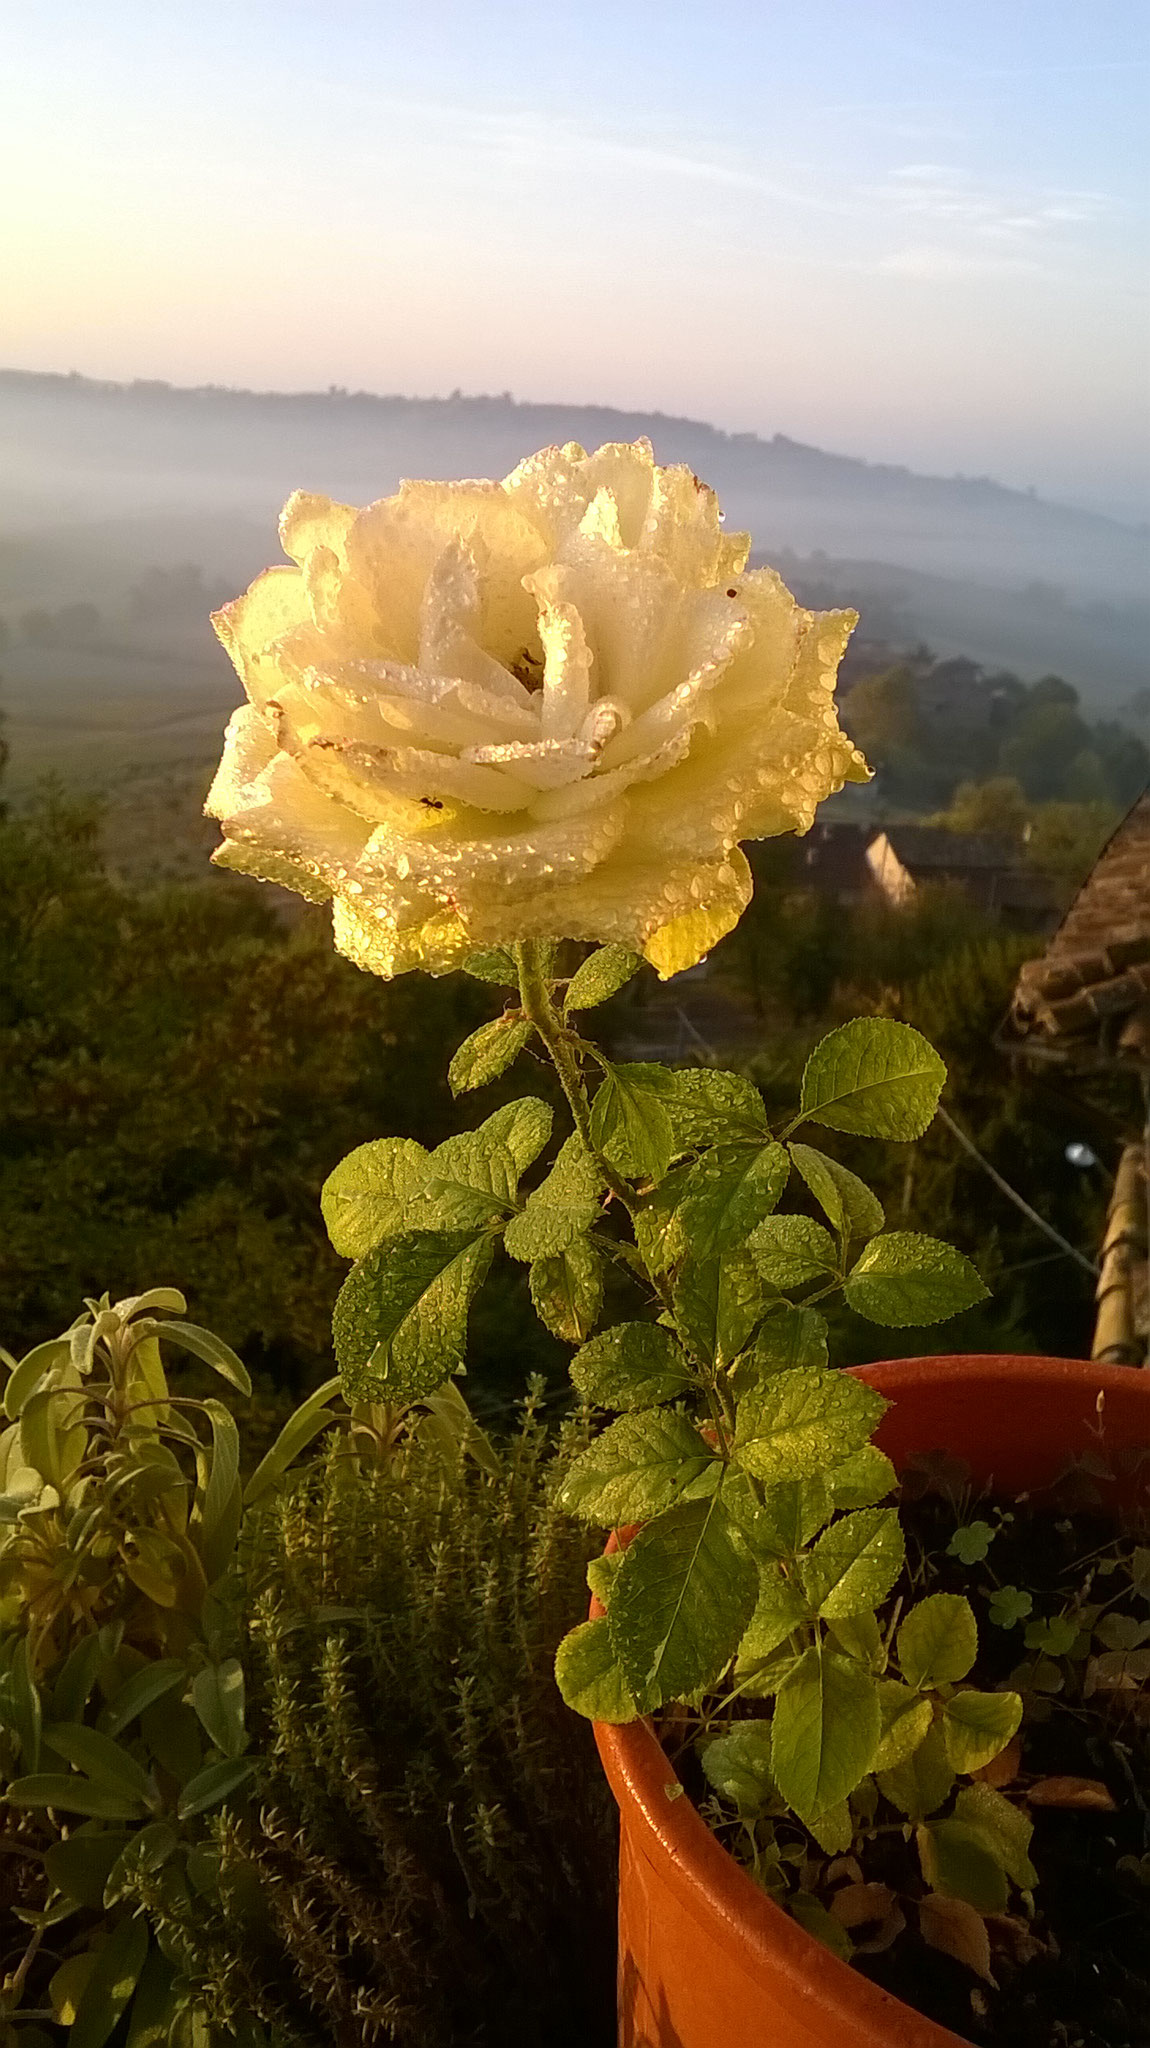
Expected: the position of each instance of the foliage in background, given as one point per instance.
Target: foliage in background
(432, 1858)
(928, 726)
(121, 1694)
(181, 1071)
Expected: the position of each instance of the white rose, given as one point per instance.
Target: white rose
(544, 708)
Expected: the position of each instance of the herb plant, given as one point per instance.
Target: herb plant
(121, 1693)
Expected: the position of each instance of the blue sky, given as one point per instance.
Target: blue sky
(914, 232)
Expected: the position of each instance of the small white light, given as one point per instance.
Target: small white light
(1081, 1155)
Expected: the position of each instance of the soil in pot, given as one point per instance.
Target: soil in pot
(1062, 1600)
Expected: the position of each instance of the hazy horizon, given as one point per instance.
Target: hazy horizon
(897, 234)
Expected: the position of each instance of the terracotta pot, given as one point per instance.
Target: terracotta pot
(706, 1960)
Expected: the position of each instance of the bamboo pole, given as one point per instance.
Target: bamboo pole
(1122, 1281)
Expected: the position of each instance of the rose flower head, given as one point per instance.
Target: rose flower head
(544, 708)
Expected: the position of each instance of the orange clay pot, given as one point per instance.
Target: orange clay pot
(706, 1960)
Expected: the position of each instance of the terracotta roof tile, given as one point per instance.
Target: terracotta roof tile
(1097, 965)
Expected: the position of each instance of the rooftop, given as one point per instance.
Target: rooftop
(1088, 997)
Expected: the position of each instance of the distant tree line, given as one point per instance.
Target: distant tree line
(926, 726)
(180, 595)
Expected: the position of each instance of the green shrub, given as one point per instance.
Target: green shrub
(121, 1696)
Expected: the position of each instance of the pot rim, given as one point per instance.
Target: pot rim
(668, 1828)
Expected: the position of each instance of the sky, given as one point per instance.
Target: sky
(900, 229)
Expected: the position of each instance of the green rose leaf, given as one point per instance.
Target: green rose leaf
(786, 1336)
(657, 1230)
(874, 1078)
(958, 1861)
(717, 1302)
(825, 1731)
(363, 1198)
(906, 1721)
(638, 1467)
(790, 1251)
(783, 1522)
(854, 1564)
(738, 1767)
(400, 1319)
(864, 1478)
(680, 1603)
(601, 1572)
(903, 1279)
(860, 1636)
(494, 963)
(589, 1675)
(488, 1052)
(977, 1726)
(393, 1185)
(562, 1208)
(779, 1608)
(919, 1784)
(938, 1641)
(601, 976)
(727, 1192)
(709, 1107)
(845, 1200)
(800, 1423)
(1005, 1828)
(632, 1365)
(629, 1122)
(567, 1291)
(473, 1177)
